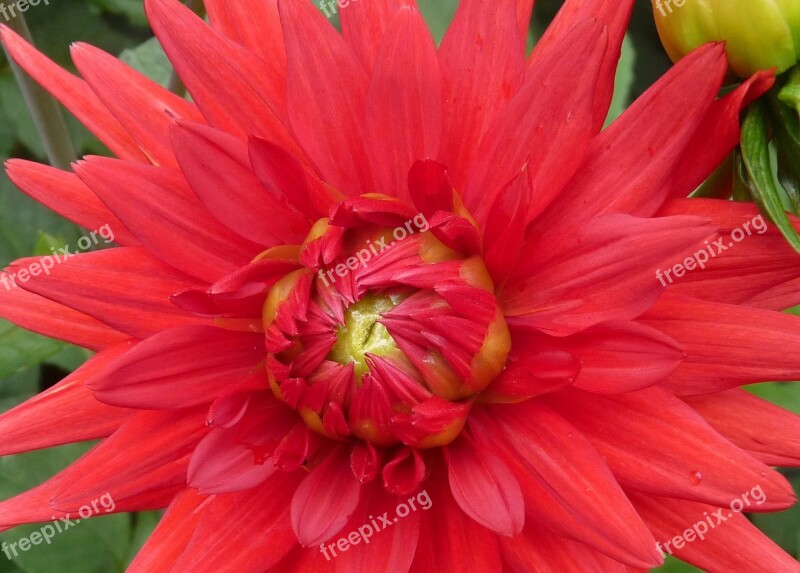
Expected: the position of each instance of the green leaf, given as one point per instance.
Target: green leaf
(623, 82)
(95, 545)
(784, 527)
(20, 349)
(438, 15)
(787, 140)
(673, 565)
(762, 185)
(149, 59)
(133, 10)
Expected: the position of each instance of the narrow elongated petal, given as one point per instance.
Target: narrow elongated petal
(67, 195)
(325, 500)
(406, 89)
(468, 547)
(558, 468)
(169, 539)
(145, 109)
(257, 27)
(485, 488)
(605, 272)
(648, 138)
(108, 286)
(521, 135)
(482, 69)
(675, 454)
(160, 209)
(180, 367)
(80, 416)
(726, 345)
(55, 320)
(758, 266)
(615, 16)
(771, 434)
(125, 466)
(614, 357)
(225, 539)
(364, 25)
(731, 545)
(331, 133)
(217, 166)
(250, 104)
(536, 549)
(75, 94)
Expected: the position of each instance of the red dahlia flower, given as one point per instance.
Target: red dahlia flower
(363, 282)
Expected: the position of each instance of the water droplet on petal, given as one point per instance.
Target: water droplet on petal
(695, 477)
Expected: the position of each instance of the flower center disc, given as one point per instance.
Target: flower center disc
(362, 334)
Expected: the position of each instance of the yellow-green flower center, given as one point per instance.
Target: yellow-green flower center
(362, 334)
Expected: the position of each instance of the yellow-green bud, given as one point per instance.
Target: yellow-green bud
(759, 34)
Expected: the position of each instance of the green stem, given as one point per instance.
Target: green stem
(175, 85)
(43, 107)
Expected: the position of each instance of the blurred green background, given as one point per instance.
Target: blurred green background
(29, 363)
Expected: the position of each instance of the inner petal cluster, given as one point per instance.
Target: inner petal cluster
(388, 345)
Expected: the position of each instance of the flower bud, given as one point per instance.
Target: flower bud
(759, 34)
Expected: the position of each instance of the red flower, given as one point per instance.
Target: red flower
(361, 278)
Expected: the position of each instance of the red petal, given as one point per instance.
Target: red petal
(567, 485)
(325, 499)
(166, 216)
(364, 25)
(552, 144)
(726, 345)
(257, 27)
(655, 443)
(717, 135)
(67, 195)
(604, 272)
(533, 374)
(615, 357)
(54, 320)
(217, 166)
(482, 69)
(316, 78)
(615, 15)
(757, 270)
(250, 104)
(126, 465)
(771, 434)
(485, 488)
(538, 550)
(246, 532)
(649, 139)
(144, 108)
(733, 546)
(467, 546)
(406, 89)
(181, 367)
(80, 416)
(169, 539)
(125, 288)
(505, 227)
(75, 94)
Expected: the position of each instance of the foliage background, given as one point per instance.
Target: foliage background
(29, 363)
